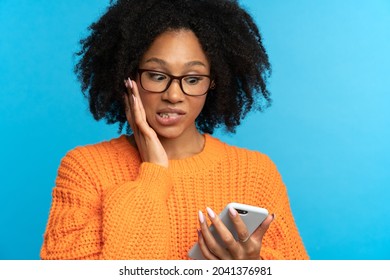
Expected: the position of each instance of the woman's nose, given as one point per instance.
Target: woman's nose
(174, 93)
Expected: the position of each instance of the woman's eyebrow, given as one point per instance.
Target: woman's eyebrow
(195, 63)
(157, 60)
(164, 63)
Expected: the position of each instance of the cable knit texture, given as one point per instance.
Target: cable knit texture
(107, 204)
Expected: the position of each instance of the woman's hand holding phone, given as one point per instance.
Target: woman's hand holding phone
(223, 244)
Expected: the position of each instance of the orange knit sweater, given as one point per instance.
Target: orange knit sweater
(108, 205)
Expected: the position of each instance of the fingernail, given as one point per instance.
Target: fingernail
(125, 83)
(130, 83)
(210, 212)
(232, 211)
(201, 217)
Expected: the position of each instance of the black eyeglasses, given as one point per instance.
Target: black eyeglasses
(158, 82)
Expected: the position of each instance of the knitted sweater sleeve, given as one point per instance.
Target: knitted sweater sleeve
(282, 240)
(86, 222)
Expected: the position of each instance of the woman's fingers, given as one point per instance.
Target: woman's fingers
(249, 244)
(212, 246)
(148, 144)
(128, 106)
(135, 91)
(139, 115)
(224, 245)
(259, 233)
(207, 254)
(129, 102)
(223, 232)
(241, 229)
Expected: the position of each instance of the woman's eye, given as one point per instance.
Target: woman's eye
(193, 80)
(156, 77)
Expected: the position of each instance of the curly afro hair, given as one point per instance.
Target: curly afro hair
(227, 33)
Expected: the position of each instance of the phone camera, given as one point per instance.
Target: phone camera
(242, 212)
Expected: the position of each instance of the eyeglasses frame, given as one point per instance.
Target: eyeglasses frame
(173, 77)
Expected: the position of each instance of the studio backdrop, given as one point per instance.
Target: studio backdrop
(328, 129)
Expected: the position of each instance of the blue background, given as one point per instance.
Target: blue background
(327, 130)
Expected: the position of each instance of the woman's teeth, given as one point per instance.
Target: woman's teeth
(168, 115)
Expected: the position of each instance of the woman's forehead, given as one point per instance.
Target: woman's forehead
(176, 47)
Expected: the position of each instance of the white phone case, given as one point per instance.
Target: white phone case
(251, 215)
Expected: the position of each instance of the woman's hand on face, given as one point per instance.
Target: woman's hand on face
(149, 146)
(247, 247)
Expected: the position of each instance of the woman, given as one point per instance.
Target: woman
(173, 71)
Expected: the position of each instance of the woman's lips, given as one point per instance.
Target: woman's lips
(169, 116)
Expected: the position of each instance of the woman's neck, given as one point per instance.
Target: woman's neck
(185, 146)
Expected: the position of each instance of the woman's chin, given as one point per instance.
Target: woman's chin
(174, 132)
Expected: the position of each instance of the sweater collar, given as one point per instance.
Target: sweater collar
(211, 154)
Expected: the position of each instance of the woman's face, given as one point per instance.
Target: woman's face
(172, 113)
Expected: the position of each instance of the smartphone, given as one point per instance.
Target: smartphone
(251, 215)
